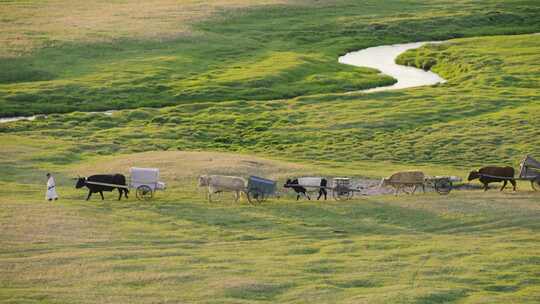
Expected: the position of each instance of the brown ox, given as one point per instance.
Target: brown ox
(493, 174)
(404, 180)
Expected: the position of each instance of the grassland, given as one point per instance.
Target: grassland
(293, 54)
(469, 247)
(222, 70)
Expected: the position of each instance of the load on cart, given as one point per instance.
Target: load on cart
(145, 181)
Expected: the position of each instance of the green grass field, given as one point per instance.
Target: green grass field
(293, 48)
(468, 247)
(253, 87)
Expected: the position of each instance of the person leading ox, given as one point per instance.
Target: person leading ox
(51, 188)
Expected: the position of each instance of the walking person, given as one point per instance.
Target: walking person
(51, 188)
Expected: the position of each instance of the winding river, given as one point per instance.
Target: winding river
(33, 117)
(381, 58)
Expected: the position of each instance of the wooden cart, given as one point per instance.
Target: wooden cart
(341, 188)
(529, 170)
(259, 189)
(442, 184)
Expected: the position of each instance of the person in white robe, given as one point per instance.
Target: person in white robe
(51, 188)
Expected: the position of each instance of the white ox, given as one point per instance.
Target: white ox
(221, 183)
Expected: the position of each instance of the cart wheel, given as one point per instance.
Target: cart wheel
(535, 184)
(409, 188)
(144, 192)
(341, 194)
(255, 196)
(443, 186)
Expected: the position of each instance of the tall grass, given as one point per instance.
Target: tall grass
(30, 25)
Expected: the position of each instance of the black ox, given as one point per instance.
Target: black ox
(111, 179)
(292, 183)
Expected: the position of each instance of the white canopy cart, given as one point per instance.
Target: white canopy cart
(145, 181)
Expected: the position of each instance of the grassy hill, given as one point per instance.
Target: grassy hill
(151, 54)
(485, 113)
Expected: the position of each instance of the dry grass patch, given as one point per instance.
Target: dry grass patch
(97, 20)
(181, 167)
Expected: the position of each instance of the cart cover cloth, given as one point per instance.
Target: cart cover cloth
(310, 181)
(453, 179)
(144, 176)
(263, 185)
(51, 189)
(530, 167)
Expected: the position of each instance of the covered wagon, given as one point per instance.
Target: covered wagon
(145, 181)
(259, 189)
(442, 184)
(529, 169)
(341, 188)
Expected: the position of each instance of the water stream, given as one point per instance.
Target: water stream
(383, 58)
